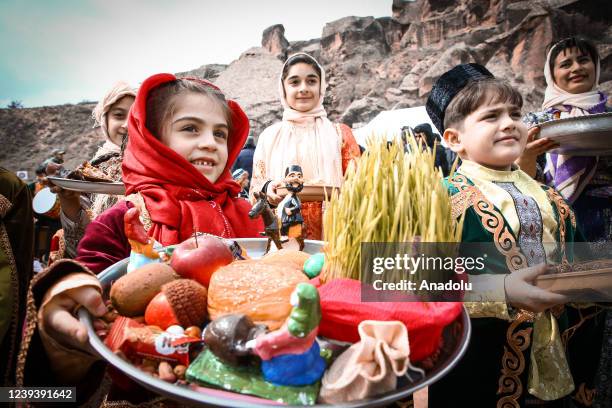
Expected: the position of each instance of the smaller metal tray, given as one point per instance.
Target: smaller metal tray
(88, 186)
(580, 136)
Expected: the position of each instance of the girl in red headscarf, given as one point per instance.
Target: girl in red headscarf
(183, 137)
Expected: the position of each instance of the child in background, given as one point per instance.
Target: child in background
(184, 136)
(241, 177)
(305, 137)
(528, 223)
(110, 114)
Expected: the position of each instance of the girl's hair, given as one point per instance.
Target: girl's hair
(584, 46)
(296, 59)
(477, 93)
(161, 102)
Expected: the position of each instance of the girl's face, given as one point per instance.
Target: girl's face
(573, 71)
(198, 131)
(116, 119)
(302, 87)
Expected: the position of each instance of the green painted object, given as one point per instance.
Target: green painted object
(207, 369)
(314, 265)
(306, 314)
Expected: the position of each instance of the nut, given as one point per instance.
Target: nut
(165, 372)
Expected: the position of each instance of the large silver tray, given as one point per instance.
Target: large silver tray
(581, 136)
(89, 186)
(456, 338)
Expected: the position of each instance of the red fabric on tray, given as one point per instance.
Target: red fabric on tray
(342, 310)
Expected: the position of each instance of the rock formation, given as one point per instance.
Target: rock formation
(372, 64)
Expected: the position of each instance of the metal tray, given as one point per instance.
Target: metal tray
(88, 186)
(456, 337)
(580, 136)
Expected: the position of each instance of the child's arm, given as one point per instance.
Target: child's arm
(521, 291)
(57, 292)
(492, 293)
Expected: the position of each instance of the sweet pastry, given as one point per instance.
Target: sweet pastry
(259, 290)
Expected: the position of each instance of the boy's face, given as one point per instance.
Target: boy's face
(493, 136)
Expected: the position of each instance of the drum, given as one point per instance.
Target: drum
(46, 203)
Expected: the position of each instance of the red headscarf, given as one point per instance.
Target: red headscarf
(178, 197)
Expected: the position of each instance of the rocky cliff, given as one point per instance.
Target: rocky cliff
(372, 64)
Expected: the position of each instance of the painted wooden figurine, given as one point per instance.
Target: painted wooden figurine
(289, 210)
(272, 228)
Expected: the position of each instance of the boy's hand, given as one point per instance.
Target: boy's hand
(62, 325)
(534, 148)
(521, 291)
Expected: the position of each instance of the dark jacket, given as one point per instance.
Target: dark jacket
(245, 160)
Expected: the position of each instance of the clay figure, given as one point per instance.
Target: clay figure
(227, 336)
(142, 245)
(291, 354)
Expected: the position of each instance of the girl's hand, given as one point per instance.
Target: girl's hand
(534, 148)
(273, 197)
(59, 320)
(521, 291)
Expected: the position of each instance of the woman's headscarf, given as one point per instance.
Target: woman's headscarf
(307, 139)
(570, 174)
(118, 91)
(179, 199)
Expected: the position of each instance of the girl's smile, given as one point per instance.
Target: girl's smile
(302, 87)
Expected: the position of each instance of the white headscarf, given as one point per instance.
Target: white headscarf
(555, 96)
(118, 91)
(307, 139)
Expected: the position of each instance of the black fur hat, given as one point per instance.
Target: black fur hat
(449, 85)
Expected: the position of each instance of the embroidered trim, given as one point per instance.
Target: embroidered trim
(28, 331)
(530, 222)
(584, 395)
(460, 202)
(5, 243)
(513, 363)
(5, 205)
(564, 212)
(493, 222)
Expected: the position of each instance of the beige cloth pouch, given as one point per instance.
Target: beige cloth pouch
(369, 367)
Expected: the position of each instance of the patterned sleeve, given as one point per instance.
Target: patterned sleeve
(350, 149)
(74, 230)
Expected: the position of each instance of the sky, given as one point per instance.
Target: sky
(69, 51)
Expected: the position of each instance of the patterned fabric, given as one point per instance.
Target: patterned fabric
(498, 358)
(571, 174)
(530, 232)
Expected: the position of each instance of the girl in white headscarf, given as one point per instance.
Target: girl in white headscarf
(304, 137)
(110, 114)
